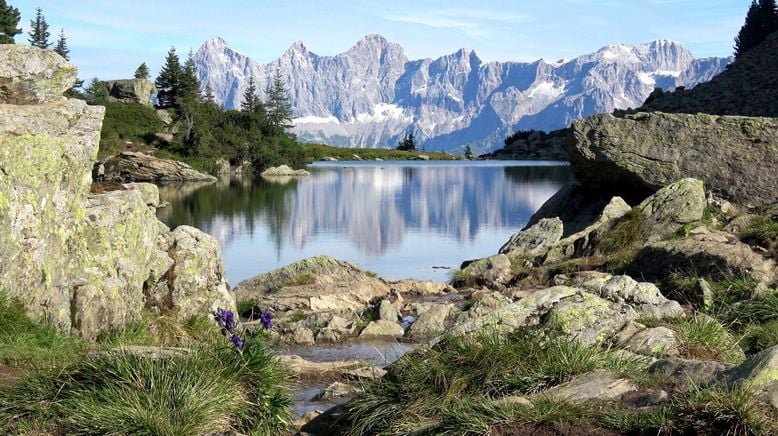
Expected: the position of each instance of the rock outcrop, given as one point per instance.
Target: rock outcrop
(130, 90)
(284, 171)
(81, 262)
(734, 156)
(130, 166)
(747, 87)
(533, 145)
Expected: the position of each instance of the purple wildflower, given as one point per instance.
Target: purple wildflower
(237, 341)
(267, 320)
(226, 321)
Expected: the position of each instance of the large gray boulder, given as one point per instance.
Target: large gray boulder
(84, 263)
(733, 155)
(130, 90)
(130, 166)
(29, 75)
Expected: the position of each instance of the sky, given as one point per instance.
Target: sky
(109, 39)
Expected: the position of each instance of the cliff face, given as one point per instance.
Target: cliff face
(79, 261)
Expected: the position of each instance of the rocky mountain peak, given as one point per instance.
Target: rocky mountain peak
(370, 95)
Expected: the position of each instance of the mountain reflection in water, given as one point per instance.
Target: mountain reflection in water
(397, 219)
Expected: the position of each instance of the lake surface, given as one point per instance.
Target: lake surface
(398, 219)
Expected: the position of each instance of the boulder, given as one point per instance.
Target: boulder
(130, 166)
(644, 152)
(672, 207)
(758, 370)
(284, 171)
(317, 284)
(46, 155)
(592, 386)
(130, 90)
(591, 312)
(196, 281)
(337, 390)
(536, 240)
(149, 192)
(382, 329)
(687, 373)
(717, 255)
(656, 342)
(302, 367)
(223, 168)
(494, 270)
(388, 312)
(29, 76)
(431, 322)
(80, 262)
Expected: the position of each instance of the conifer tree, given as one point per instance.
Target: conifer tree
(279, 108)
(189, 85)
(61, 48)
(251, 100)
(9, 22)
(39, 31)
(95, 92)
(468, 152)
(761, 21)
(408, 143)
(209, 97)
(169, 80)
(142, 72)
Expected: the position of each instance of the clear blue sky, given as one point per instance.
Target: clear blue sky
(110, 38)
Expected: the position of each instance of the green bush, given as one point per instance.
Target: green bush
(127, 122)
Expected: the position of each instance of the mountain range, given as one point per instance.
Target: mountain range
(372, 94)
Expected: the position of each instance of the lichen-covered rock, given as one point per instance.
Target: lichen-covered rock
(758, 370)
(534, 241)
(489, 271)
(688, 373)
(592, 386)
(284, 171)
(734, 156)
(317, 284)
(591, 312)
(29, 75)
(717, 255)
(148, 191)
(130, 90)
(388, 312)
(121, 243)
(79, 262)
(196, 281)
(46, 154)
(382, 329)
(672, 207)
(584, 242)
(130, 166)
(431, 322)
(656, 342)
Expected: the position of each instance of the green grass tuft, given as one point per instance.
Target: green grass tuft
(207, 389)
(425, 383)
(625, 234)
(705, 338)
(23, 341)
(762, 231)
(730, 411)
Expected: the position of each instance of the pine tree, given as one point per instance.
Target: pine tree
(9, 20)
(468, 152)
(209, 97)
(251, 99)
(169, 80)
(279, 108)
(142, 72)
(189, 85)
(39, 31)
(408, 143)
(761, 21)
(95, 92)
(61, 48)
